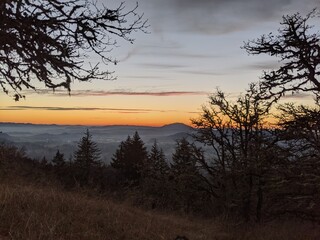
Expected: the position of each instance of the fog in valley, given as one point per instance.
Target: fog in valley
(44, 140)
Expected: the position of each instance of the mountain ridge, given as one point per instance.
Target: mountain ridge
(175, 124)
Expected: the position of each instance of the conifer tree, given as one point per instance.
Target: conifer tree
(58, 160)
(157, 161)
(87, 159)
(120, 158)
(155, 182)
(130, 158)
(184, 160)
(185, 173)
(59, 165)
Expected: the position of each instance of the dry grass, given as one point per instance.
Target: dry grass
(28, 212)
(32, 212)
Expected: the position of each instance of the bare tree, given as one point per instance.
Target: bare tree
(297, 178)
(297, 47)
(49, 41)
(301, 124)
(239, 141)
(294, 179)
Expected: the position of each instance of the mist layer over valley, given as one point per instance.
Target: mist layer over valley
(44, 140)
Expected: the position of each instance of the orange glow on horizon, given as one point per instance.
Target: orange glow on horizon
(98, 118)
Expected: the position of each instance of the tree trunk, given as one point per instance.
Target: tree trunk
(259, 201)
(247, 200)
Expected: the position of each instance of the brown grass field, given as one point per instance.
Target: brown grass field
(30, 211)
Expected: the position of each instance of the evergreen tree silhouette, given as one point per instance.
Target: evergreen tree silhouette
(155, 178)
(131, 158)
(58, 160)
(157, 161)
(185, 174)
(87, 159)
(184, 159)
(59, 165)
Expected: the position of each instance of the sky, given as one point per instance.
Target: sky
(191, 49)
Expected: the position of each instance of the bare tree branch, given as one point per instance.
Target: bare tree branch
(49, 41)
(297, 46)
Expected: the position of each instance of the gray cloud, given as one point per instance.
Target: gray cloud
(161, 65)
(216, 5)
(163, 47)
(298, 96)
(219, 16)
(178, 54)
(166, 52)
(197, 72)
(192, 55)
(144, 77)
(266, 65)
(85, 93)
(164, 44)
(156, 94)
(119, 110)
(130, 54)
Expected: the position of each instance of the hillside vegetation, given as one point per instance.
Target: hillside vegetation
(29, 211)
(243, 174)
(33, 205)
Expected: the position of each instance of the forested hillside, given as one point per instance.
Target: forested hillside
(34, 205)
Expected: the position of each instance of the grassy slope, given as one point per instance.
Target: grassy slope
(33, 212)
(29, 212)
(32, 206)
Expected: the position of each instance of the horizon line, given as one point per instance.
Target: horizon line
(96, 125)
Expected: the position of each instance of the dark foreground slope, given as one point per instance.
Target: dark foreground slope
(33, 205)
(33, 212)
(29, 212)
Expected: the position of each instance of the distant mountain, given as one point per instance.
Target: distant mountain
(26, 124)
(177, 126)
(44, 140)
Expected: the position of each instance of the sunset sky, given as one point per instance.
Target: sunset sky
(192, 48)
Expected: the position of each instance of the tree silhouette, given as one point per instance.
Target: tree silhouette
(301, 124)
(60, 167)
(155, 177)
(131, 158)
(298, 177)
(58, 160)
(157, 161)
(86, 159)
(298, 49)
(49, 40)
(294, 178)
(240, 146)
(183, 159)
(186, 176)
